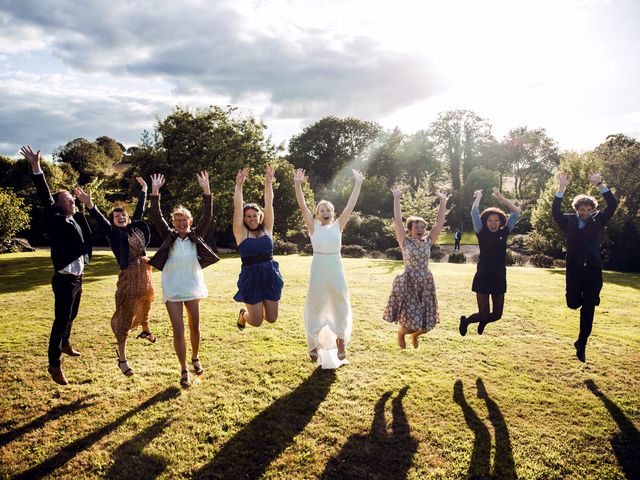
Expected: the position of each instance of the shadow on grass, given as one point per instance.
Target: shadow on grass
(54, 413)
(130, 463)
(390, 265)
(626, 443)
(71, 450)
(250, 451)
(380, 453)
(27, 273)
(479, 467)
(622, 279)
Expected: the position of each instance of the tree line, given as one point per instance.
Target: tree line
(458, 152)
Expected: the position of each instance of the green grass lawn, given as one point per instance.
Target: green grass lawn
(468, 238)
(513, 402)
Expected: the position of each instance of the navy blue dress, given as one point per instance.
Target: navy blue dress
(258, 281)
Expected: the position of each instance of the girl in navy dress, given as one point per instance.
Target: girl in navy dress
(492, 229)
(260, 283)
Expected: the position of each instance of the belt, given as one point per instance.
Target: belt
(255, 259)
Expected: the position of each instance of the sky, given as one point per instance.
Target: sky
(73, 69)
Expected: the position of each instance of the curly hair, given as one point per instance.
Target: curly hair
(582, 199)
(413, 219)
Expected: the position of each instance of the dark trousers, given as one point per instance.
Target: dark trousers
(485, 314)
(67, 290)
(583, 292)
(456, 245)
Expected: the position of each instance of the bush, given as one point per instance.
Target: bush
(14, 213)
(353, 251)
(457, 257)
(541, 260)
(475, 258)
(7, 246)
(394, 253)
(284, 248)
(436, 253)
(559, 263)
(307, 249)
(508, 259)
(519, 259)
(518, 243)
(369, 232)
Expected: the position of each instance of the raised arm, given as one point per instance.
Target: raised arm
(513, 209)
(298, 180)
(442, 210)
(268, 200)
(611, 201)
(238, 203)
(475, 211)
(207, 208)
(142, 200)
(33, 159)
(157, 181)
(346, 213)
(85, 197)
(397, 215)
(561, 220)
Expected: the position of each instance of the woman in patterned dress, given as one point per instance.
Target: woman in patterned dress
(412, 303)
(128, 238)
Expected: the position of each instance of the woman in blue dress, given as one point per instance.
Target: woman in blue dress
(260, 283)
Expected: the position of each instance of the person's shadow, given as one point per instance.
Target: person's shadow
(250, 451)
(480, 464)
(381, 453)
(626, 443)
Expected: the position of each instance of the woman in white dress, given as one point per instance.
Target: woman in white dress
(327, 311)
(181, 257)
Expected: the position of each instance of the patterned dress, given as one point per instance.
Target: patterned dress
(412, 302)
(134, 290)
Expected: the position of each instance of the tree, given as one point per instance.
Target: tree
(385, 161)
(420, 202)
(112, 148)
(532, 156)
(418, 160)
(478, 179)
(329, 145)
(458, 136)
(288, 220)
(14, 214)
(86, 158)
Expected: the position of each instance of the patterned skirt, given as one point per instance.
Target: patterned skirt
(412, 302)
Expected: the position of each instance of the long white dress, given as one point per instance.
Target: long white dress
(327, 310)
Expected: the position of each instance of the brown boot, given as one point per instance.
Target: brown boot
(58, 375)
(68, 349)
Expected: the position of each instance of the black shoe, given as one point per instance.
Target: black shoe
(481, 326)
(240, 316)
(463, 325)
(580, 352)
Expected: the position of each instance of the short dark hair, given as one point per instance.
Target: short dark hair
(487, 212)
(117, 209)
(56, 195)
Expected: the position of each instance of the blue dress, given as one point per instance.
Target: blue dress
(259, 281)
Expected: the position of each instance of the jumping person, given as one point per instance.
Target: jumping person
(260, 282)
(70, 252)
(583, 233)
(492, 229)
(181, 257)
(412, 303)
(128, 238)
(327, 310)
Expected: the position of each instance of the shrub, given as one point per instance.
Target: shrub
(7, 246)
(436, 253)
(307, 249)
(14, 213)
(475, 258)
(518, 243)
(457, 257)
(508, 259)
(394, 253)
(559, 262)
(369, 232)
(519, 259)
(281, 247)
(541, 260)
(353, 251)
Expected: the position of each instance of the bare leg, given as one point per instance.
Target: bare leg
(270, 311)
(193, 314)
(402, 331)
(253, 315)
(342, 349)
(177, 324)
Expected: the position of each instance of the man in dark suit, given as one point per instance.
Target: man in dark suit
(583, 233)
(70, 252)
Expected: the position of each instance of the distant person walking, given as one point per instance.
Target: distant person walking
(70, 252)
(456, 239)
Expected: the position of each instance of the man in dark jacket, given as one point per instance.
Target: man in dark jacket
(583, 233)
(70, 252)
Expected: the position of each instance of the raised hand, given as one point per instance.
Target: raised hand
(564, 181)
(595, 178)
(203, 181)
(298, 176)
(477, 194)
(142, 183)
(396, 191)
(358, 176)
(268, 174)
(242, 176)
(496, 194)
(33, 158)
(442, 196)
(84, 197)
(157, 181)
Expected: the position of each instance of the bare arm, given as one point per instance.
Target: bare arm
(298, 180)
(442, 210)
(475, 211)
(268, 200)
(161, 225)
(238, 204)
(207, 209)
(346, 213)
(505, 201)
(397, 215)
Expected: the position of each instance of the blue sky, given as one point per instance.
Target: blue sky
(85, 69)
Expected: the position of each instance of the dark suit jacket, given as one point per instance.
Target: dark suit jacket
(583, 245)
(68, 243)
(119, 237)
(206, 256)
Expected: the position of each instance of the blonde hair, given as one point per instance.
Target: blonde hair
(413, 219)
(327, 204)
(180, 210)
